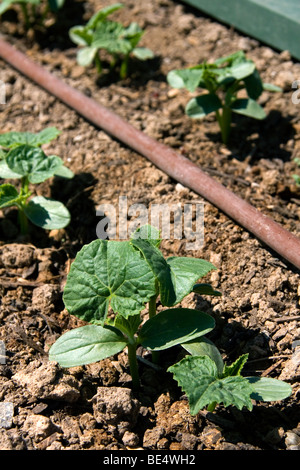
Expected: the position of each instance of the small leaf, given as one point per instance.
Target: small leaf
(174, 326)
(272, 88)
(9, 195)
(47, 213)
(33, 163)
(198, 378)
(236, 367)
(248, 107)
(64, 172)
(80, 35)
(87, 344)
(6, 172)
(109, 35)
(200, 106)
(268, 389)
(185, 78)
(108, 273)
(102, 14)
(143, 53)
(205, 289)
(149, 233)
(204, 347)
(86, 55)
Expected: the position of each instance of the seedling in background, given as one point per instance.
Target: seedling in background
(120, 278)
(207, 381)
(22, 158)
(102, 34)
(223, 79)
(297, 177)
(29, 8)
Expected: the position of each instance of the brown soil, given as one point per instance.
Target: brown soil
(92, 407)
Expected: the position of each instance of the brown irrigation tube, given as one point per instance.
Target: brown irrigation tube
(175, 165)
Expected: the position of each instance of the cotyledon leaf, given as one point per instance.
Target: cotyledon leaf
(108, 272)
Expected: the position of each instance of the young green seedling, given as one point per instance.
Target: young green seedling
(120, 278)
(207, 381)
(223, 79)
(22, 158)
(297, 177)
(30, 17)
(118, 41)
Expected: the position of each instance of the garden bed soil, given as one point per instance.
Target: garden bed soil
(93, 407)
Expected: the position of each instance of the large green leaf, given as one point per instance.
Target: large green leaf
(248, 107)
(110, 35)
(47, 213)
(268, 389)
(9, 195)
(176, 275)
(33, 163)
(174, 326)
(108, 273)
(200, 106)
(198, 378)
(87, 344)
(14, 139)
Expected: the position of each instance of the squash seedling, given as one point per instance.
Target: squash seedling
(297, 177)
(22, 158)
(118, 41)
(124, 276)
(31, 16)
(223, 80)
(207, 381)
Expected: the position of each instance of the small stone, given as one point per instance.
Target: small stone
(130, 439)
(6, 414)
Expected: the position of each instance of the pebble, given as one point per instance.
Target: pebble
(6, 414)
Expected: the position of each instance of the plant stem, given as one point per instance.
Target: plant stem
(152, 313)
(23, 221)
(124, 67)
(224, 121)
(133, 365)
(26, 15)
(98, 63)
(211, 407)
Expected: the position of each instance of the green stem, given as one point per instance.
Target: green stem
(152, 313)
(98, 63)
(211, 407)
(23, 221)
(124, 67)
(26, 15)
(224, 121)
(133, 365)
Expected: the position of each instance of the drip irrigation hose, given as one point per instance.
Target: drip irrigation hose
(178, 167)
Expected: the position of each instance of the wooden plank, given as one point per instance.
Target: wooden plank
(274, 22)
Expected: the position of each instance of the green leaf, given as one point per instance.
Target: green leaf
(86, 55)
(198, 378)
(47, 213)
(108, 273)
(102, 14)
(80, 35)
(240, 70)
(254, 85)
(205, 289)
(9, 195)
(87, 344)
(176, 275)
(5, 4)
(185, 78)
(248, 107)
(14, 139)
(142, 53)
(6, 172)
(236, 367)
(185, 271)
(268, 389)
(33, 163)
(174, 326)
(149, 233)
(204, 347)
(64, 172)
(272, 88)
(203, 105)
(109, 35)
(128, 326)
